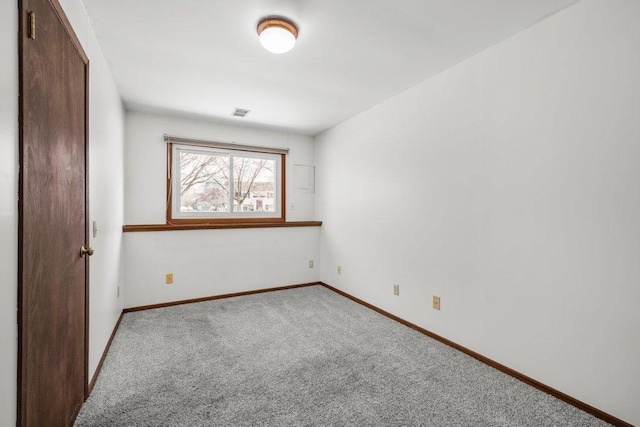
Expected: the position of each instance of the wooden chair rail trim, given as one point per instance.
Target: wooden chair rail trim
(179, 227)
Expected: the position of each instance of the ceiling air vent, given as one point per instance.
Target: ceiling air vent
(240, 112)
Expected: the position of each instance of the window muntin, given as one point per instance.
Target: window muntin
(222, 184)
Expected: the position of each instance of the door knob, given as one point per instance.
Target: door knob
(86, 250)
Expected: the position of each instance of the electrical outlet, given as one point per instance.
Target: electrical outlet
(95, 229)
(117, 291)
(310, 263)
(436, 303)
(339, 269)
(396, 290)
(169, 278)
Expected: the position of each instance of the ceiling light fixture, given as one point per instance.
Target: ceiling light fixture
(277, 35)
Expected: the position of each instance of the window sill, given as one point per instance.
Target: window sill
(172, 227)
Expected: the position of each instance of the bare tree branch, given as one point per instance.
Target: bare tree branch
(243, 186)
(209, 176)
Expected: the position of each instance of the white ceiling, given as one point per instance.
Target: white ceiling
(202, 58)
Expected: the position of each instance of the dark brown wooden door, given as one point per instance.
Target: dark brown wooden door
(52, 371)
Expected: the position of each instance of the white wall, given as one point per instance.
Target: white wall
(217, 262)
(507, 185)
(146, 161)
(209, 262)
(106, 170)
(8, 210)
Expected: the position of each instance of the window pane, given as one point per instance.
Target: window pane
(255, 183)
(204, 182)
(211, 184)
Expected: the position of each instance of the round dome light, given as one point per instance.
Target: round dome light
(277, 35)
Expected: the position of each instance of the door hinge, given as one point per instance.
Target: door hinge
(32, 26)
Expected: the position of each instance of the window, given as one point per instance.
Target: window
(216, 183)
